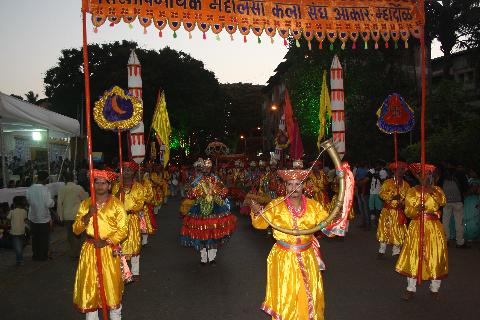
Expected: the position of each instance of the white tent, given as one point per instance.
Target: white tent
(18, 116)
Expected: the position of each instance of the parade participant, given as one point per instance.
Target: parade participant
(133, 197)
(149, 226)
(158, 189)
(433, 254)
(187, 203)
(112, 229)
(392, 228)
(376, 176)
(294, 282)
(351, 213)
(209, 222)
(319, 182)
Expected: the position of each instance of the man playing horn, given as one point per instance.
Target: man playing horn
(294, 282)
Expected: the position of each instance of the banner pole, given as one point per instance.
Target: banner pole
(98, 254)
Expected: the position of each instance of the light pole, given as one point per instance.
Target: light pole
(242, 137)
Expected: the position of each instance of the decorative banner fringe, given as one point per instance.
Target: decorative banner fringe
(285, 43)
(231, 37)
(130, 26)
(217, 37)
(406, 44)
(204, 36)
(320, 46)
(259, 40)
(366, 45)
(331, 46)
(343, 46)
(144, 30)
(244, 39)
(396, 44)
(175, 34)
(297, 43)
(310, 45)
(95, 30)
(160, 34)
(112, 24)
(376, 45)
(189, 35)
(386, 44)
(271, 40)
(354, 45)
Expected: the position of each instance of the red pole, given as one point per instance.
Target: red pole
(120, 162)
(98, 254)
(422, 134)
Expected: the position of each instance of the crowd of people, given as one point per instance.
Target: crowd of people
(404, 208)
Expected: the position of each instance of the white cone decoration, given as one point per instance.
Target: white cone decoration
(338, 106)
(137, 134)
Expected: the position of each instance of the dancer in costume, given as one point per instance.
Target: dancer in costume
(112, 229)
(133, 196)
(433, 253)
(209, 223)
(158, 187)
(392, 228)
(294, 282)
(187, 203)
(149, 226)
(318, 184)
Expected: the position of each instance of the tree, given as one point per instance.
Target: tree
(193, 93)
(31, 97)
(455, 23)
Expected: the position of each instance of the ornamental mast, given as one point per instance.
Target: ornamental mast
(338, 106)
(136, 140)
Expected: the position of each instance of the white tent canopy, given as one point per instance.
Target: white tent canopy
(19, 115)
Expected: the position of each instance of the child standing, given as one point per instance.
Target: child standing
(18, 217)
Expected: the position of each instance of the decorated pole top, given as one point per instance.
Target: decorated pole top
(336, 76)
(134, 70)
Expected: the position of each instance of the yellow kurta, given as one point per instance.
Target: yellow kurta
(389, 229)
(112, 226)
(133, 202)
(158, 189)
(291, 293)
(435, 261)
(149, 199)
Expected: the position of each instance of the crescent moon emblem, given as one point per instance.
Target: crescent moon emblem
(115, 106)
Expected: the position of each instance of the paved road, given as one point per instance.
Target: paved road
(175, 287)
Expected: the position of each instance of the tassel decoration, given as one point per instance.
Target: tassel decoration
(376, 45)
(217, 37)
(160, 33)
(343, 46)
(320, 46)
(310, 45)
(231, 37)
(189, 35)
(285, 43)
(354, 45)
(259, 40)
(272, 40)
(366, 45)
(112, 24)
(331, 46)
(130, 26)
(297, 43)
(175, 34)
(144, 30)
(204, 36)
(406, 44)
(95, 30)
(396, 45)
(244, 39)
(386, 44)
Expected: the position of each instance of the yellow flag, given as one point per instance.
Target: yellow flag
(325, 107)
(161, 125)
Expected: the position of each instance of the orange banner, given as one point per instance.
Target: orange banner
(331, 19)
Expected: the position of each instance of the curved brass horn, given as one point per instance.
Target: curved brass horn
(332, 152)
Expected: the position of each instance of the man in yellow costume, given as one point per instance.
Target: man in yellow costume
(112, 229)
(157, 189)
(133, 197)
(432, 252)
(148, 226)
(294, 282)
(392, 228)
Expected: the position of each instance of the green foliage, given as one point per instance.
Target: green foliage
(190, 89)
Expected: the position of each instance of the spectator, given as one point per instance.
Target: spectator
(40, 202)
(454, 205)
(376, 175)
(361, 181)
(69, 198)
(18, 217)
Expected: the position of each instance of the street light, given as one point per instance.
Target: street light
(242, 137)
(274, 107)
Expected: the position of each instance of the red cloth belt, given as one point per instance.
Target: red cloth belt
(429, 216)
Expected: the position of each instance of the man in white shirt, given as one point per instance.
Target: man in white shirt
(40, 202)
(375, 204)
(69, 198)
